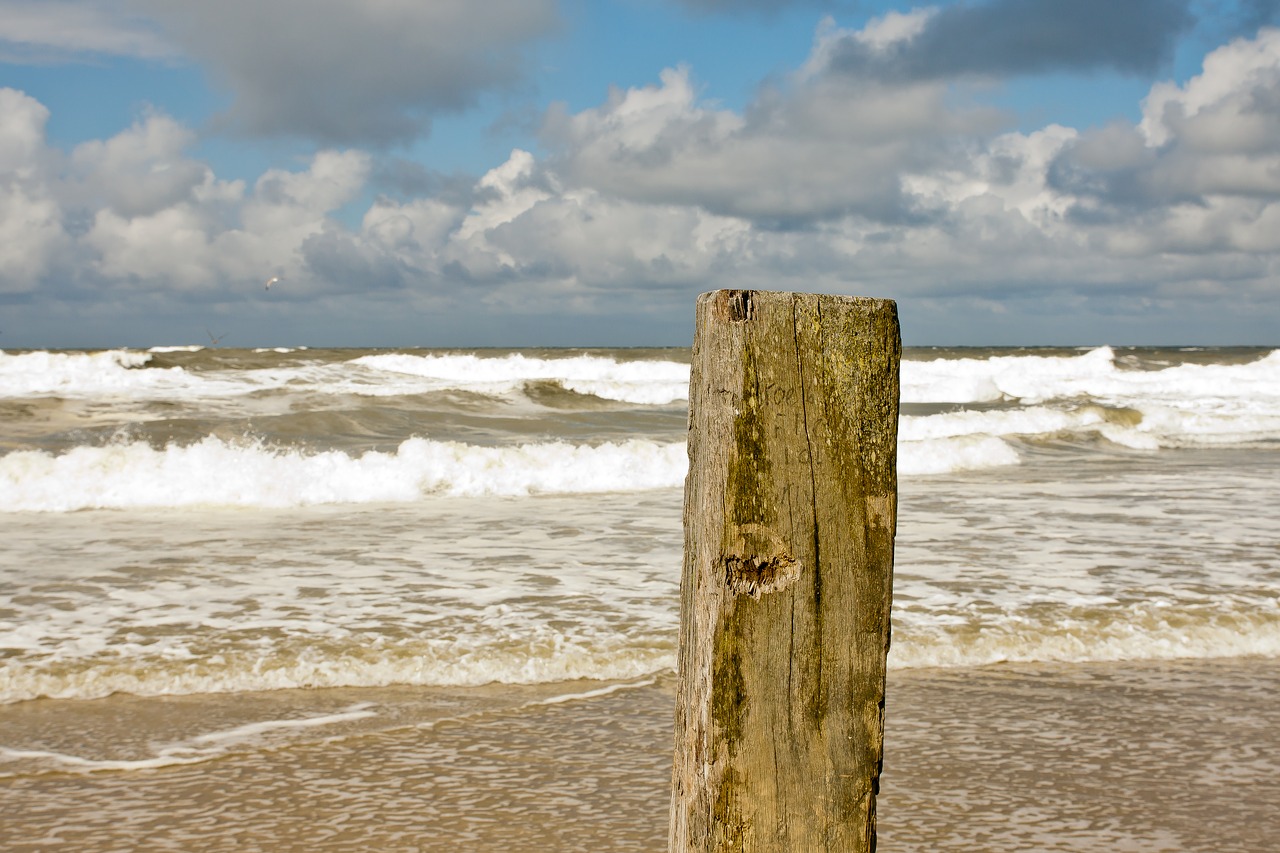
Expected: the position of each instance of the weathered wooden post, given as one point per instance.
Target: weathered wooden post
(789, 517)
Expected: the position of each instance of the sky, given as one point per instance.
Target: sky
(574, 172)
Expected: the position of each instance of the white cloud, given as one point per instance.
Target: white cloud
(22, 132)
(508, 192)
(655, 194)
(30, 237)
(290, 200)
(1231, 75)
(828, 148)
(31, 234)
(893, 28)
(136, 211)
(417, 227)
(1198, 178)
(141, 171)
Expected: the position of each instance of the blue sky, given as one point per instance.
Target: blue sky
(533, 172)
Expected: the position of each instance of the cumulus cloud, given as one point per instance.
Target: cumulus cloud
(141, 171)
(1205, 152)
(902, 187)
(136, 211)
(346, 72)
(826, 149)
(218, 233)
(895, 189)
(870, 106)
(31, 234)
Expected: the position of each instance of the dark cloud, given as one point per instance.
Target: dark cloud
(406, 179)
(340, 261)
(345, 72)
(1006, 38)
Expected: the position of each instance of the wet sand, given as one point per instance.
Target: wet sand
(1181, 756)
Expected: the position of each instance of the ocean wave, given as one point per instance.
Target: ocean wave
(1243, 391)
(222, 473)
(78, 374)
(536, 655)
(652, 383)
(1090, 377)
(1158, 630)
(1140, 427)
(218, 472)
(121, 374)
(116, 373)
(1093, 376)
(542, 654)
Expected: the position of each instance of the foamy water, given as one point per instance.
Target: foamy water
(188, 520)
(1025, 398)
(215, 472)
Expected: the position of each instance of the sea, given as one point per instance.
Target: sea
(411, 599)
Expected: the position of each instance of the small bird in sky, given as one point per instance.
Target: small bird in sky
(215, 338)
(272, 281)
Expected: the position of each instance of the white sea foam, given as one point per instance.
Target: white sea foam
(1184, 405)
(220, 473)
(78, 374)
(128, 373)
(982, 380)
(123, 375)
(466, 592)
(216, 472)
(194, 750)
(1094, 376)
(950, 455)
(608, 690)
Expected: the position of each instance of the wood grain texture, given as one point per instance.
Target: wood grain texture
(790, 511)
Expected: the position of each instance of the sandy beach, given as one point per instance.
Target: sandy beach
(1173, 756)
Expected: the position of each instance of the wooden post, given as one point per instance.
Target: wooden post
(789, 517)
